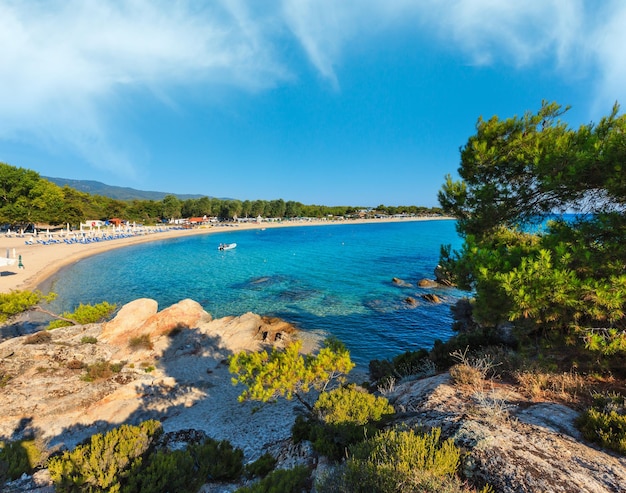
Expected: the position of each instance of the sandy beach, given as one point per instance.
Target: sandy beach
(41, 261)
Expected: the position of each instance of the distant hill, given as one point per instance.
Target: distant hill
(119, 193)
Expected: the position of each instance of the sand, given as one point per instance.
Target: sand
(41, 261)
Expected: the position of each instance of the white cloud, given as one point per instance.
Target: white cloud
(64, 63)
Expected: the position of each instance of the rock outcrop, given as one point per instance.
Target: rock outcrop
(431, 298)
(513, 444)
(428, 283)
(181, 377)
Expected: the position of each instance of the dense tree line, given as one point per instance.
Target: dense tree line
(27, 198)
(528, 264)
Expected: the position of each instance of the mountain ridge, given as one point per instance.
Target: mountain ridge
(114, 192)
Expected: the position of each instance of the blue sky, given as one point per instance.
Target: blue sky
(335, 102)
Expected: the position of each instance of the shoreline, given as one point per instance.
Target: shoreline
(43, 261)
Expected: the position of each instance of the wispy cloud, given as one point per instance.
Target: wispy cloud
(64, 63)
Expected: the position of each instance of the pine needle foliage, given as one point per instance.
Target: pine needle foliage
(288, 373)
(106, 461)
(84, 314)
(15, 302)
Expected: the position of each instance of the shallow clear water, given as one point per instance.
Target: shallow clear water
(335, 279)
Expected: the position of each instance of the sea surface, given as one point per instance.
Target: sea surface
(334, 279)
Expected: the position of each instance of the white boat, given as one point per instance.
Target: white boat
(226, 246)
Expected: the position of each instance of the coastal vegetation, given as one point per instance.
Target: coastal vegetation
(550, 276)
(288, 373)
(27, 198)
(19, 301)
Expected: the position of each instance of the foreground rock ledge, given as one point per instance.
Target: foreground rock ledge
(181, 377)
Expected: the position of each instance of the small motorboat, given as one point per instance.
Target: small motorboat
(226, 246)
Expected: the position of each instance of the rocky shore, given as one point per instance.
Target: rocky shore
(172, 366)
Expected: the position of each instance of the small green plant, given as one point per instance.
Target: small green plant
(604, 422)
(88, 340)
(281, 481)
(84, 314)
(262, 466)
(4, 379)
(140, 342)
(19, 457)
(105, 461)
(41, 337)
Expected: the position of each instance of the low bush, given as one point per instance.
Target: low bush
(17, 458)
(294, 480)
(342, 416)
(262, 466)
(101, 370)
(88, 340)
(604, 422)
(105, 461)
(403, 365)
(140, 342)
(4, 379)
(537, 384)
(41, 337)
(398, 462)
(185, 471)
(75, 364)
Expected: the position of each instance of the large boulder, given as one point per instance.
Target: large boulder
(128, 320)
(140, 317)
(401, 282)
(427, 283)
(186, 314)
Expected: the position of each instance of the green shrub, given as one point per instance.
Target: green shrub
(605, 422)
(293, 480)
(351, 405)
(88, 340)
(15, 302)
(398, 461)
(165, 471)
(104, 462)
(185, 471)
(17, 458)
(85, 314)
(218, 460)
(262, 466)
(403, 365)
(343, 416)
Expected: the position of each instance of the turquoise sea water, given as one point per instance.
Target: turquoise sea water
(336, 279)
